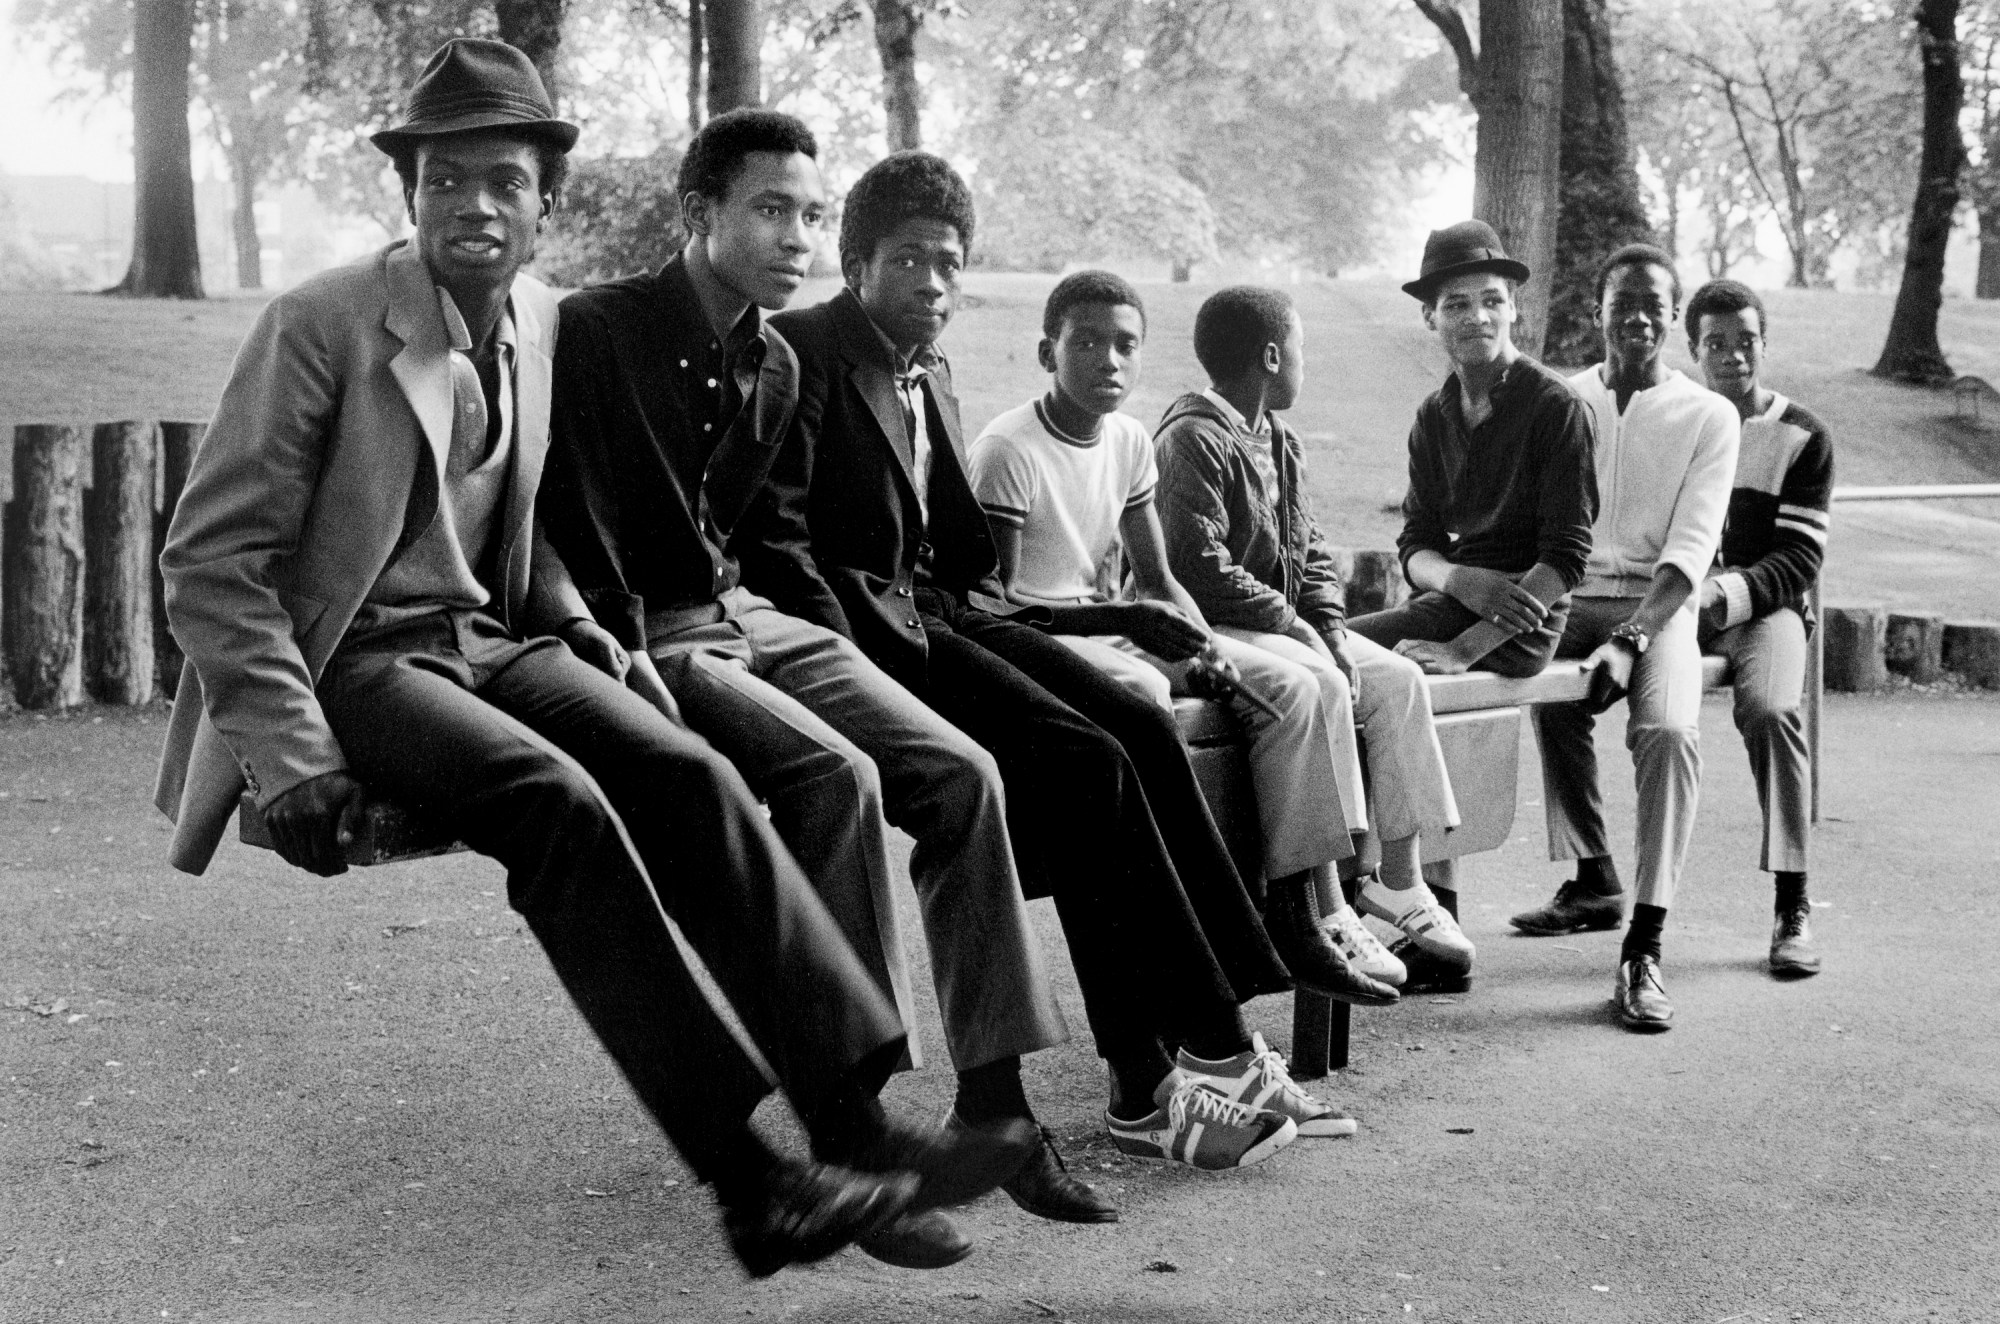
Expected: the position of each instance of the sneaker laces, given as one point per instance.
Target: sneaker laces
(1273, 1070)
(1202, 1104)
(1792, 923)
(1352, 937)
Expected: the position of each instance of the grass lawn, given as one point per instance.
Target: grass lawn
(85, 358)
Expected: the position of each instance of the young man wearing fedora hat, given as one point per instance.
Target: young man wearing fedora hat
(368, 609)
(1496, 522)
(1665, 454)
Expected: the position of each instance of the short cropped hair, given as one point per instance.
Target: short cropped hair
(1722, 296)
(1639, 255)
(1234, 325)
(715, 157)
(1087, 287)
(899, 187)
(551, 161)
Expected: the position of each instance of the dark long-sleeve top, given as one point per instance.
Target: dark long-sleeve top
(668, 465)
(1520, 488)
(1246, 562)
(1775, 536)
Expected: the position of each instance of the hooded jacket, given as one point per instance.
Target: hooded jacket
(1246, 563)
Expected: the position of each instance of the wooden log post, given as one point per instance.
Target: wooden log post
(1376, 583)
(1856, 639)
(1914, 645)
(1972, 649)
(178, 442)
(44, 566)
(118, 547)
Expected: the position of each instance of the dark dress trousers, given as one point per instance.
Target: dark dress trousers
(623, 834)
(1106, 815)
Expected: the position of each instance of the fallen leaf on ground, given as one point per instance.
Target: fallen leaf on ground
(1162, 1266)
(602, 1195)
(1458, 1130)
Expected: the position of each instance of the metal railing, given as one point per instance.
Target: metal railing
(1816, 658)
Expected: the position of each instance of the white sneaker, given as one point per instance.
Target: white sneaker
(1194, 1124)
(1363, 950)
(1417, 913)
(1259, 1080)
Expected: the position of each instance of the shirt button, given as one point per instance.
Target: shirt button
(913, 623)
(903, 592)
(708, 427)
(684, 363)
(711, 381)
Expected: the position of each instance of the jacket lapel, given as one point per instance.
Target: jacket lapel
(858, 339)
(737, 470)
(423, 367)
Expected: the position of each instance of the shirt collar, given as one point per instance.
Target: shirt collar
(690, 323)
(460, 335)
(1235, 415)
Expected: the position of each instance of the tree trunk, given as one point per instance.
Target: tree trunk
(697, 65)
(117, 574)
(177, 446)
(896, 24)
(243, 223)
(735, 54)
(1182, 270)
(166, 262)
(1988, 286)
(1516, 153)
(1912, 352)
(1600, 210)
(534, 27)
(44, 566)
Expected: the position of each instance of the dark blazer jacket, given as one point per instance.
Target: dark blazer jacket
(625, 523)
(869, 546)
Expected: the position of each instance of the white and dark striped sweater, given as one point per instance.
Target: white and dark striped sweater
(1775, 536)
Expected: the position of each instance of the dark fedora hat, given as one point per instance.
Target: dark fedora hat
(1457, 249)
(476, 83)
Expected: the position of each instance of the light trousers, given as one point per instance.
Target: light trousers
(1662, 730)
(835, 747)
(1768, 658)
(1306, 764)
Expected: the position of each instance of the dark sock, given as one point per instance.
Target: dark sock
(737, 1162)
(1134, 1077)
(1217, 1034)
(1448, 898)
(1599, 875)
(1642, 932)
(992, 1093)
(1791, 891)
(840, 1122)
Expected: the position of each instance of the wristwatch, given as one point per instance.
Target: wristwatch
(1631, 632)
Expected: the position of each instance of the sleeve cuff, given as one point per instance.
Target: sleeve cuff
(1736, 599)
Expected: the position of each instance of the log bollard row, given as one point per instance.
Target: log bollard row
(1865, 643)
(81, 609)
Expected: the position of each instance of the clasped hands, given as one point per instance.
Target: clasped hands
(1497, 599)
(313, 824)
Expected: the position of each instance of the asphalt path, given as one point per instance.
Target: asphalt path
(257, 1095)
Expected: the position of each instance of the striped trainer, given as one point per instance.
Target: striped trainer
(1197, 1126)
(1259, 1079)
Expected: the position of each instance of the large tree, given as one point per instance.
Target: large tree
(1514, 79)
(1600, 207)
(1912, 352)
(534, 27)
(1980, 56)
(250, 59)
(735, 40)
(896, 24)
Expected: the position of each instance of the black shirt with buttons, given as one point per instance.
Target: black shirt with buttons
(645, 395)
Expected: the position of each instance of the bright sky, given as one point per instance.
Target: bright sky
(91, 138)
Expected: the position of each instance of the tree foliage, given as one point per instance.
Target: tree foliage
(1290, 120)
(1820, 99)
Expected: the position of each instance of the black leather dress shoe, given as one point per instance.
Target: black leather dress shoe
(927, 1240)
(1044, 1186)
(951, 1167)
(1314, 962)
(1428, 974)
(807, 1211)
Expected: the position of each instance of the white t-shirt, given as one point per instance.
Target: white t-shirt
(1066, 497)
